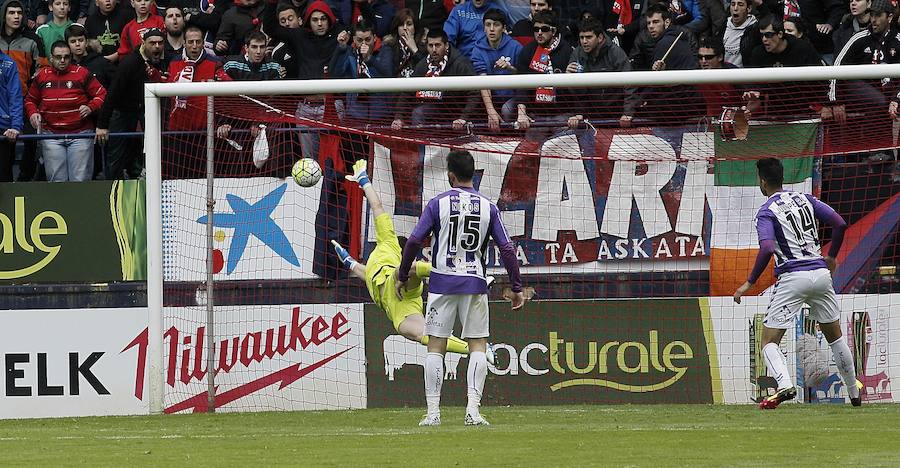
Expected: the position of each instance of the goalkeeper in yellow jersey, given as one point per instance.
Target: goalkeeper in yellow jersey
(380, 275)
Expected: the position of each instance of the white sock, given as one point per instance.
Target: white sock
(777, 367)
(434, 378)
(475, 376)
(844, 360)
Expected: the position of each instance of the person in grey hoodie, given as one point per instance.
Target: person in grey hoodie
(738, 23)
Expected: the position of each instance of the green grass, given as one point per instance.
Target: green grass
(664, 435)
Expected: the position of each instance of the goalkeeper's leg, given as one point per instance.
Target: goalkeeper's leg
(413, 328)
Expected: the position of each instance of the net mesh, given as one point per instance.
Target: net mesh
(657, 206)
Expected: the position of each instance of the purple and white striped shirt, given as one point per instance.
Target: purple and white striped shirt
(461, 221)
(787, 225)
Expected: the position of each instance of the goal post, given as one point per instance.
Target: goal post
(692, 168)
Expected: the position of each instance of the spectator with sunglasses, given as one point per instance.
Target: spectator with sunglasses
(548, 54)
(711, 56)
(795, 99)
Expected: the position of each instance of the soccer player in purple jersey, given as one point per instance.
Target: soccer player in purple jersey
(787, 227)
(461, 221)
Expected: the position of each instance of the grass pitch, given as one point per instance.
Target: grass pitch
(663, 435)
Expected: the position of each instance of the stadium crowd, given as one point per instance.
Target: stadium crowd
(71, 68)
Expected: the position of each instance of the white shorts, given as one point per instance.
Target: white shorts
(442, 310)
(796, 288)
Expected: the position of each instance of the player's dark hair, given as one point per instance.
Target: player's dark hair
(462, 165)
(496, 15)
(771, 171)
(771, 20)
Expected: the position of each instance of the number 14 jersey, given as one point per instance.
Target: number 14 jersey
(791, 220)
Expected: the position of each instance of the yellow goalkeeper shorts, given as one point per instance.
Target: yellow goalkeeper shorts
(380, 268)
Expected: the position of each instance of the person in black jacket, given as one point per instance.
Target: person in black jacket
(879, 43)
(314, 44)
(672, 51)
(106, 23)
(281, 51)
(435, 106)
(236, 23)
(406, 41)
(790, 99)
(123, 109)
(549, 53)
(84, 54)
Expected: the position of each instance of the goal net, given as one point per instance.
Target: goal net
(631, 198)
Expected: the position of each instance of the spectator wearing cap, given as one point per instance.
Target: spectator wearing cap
(878, 43)
(145, 20)
(495, 53)
(237, 22)
(435, 107)
(106, 23)
(521, 31)
(11, 112)
(174, 42)
(55, 29)
(123, 109)
(23, 46)
(548, 54)
(596, 52)
(61, 100)
(464, 25)
(314, 44)
(281, 51)
(852, 23)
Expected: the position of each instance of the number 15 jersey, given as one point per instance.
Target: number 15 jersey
(791, 220)
(461, 221)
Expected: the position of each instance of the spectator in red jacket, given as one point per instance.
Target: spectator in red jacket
(145, 20)
(61, 99)
(188, 152)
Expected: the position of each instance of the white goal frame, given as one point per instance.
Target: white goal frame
(154, 92)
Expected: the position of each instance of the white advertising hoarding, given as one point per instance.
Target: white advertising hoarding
(69, 362)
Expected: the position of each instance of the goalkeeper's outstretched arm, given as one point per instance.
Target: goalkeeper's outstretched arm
(361, 177)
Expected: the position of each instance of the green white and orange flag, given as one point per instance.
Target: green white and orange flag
(736, 197)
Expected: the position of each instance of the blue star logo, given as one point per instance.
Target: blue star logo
(255, 219)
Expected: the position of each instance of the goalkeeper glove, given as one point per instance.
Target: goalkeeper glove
(345, 257)
(359, 174)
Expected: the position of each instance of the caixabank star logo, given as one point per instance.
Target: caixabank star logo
(247, 219)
